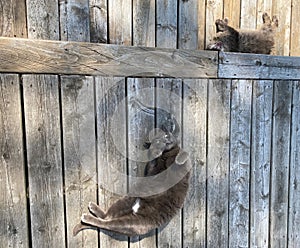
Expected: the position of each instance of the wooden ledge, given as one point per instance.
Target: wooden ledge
(60, 57)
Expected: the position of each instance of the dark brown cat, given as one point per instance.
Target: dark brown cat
(134, 216)
(259, 41)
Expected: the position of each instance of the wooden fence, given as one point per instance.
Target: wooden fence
(239, 118)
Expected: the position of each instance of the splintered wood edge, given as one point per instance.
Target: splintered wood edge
(61, 57)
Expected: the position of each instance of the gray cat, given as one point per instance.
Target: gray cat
(134, 216)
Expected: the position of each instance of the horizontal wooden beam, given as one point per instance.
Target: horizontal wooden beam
(258, 66)
(59, 57)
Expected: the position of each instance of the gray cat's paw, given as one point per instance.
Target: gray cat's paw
(181, 157)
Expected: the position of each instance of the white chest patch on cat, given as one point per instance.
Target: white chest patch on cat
(136, 205)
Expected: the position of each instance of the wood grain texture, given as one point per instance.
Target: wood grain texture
(294, 200)
(239, 173)
(13, 210)
(232, 10)
(218, 163)
(214, 11)
(13, 18)
(188, 24)
(111, 153)
(119, 21)
(43, 19)
(43, 140)
(74, 20)
(194, 142)
(98, 21)
(280, 163)
(139, 125)
(143, 23)
(79, 144)
(261, 162)
(201, 24)
(166, 23)
(294, 34)
(98, 59)
(248, 14)
(254, 66)
(282, 9)
(168, 93)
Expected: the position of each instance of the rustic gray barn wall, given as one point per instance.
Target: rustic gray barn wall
(242, 134)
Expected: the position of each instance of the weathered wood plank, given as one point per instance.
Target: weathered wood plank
(13, 18)
(120, 19)
(166, 23)
(240, 144)
(280, 164)
(232, 10)
(282, 9)
(262, 7)
(13, 202)
(143, 23)
(168, 92)
(214, 11)
(98, 21)
(188, 24)
(194, 142)
(201, 24)
(294, 33)
(43, 19)
(43, 139)
(218, 163)
(74, 20)
(248, 14)
(78, 129)
(294, 200)
(255, 66)
(21, 55)
(261, 163)
(111, 150)
(79, 144)
(139, 126)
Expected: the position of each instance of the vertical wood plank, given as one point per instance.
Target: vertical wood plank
(260, 163)
(143, 23)
(109, 95)
(166, 24)
(232, 10)
(42, 19)
(214, 11)
(282, 9)
(194, 127)
(13, 199)
(42, 118)
(170, 236)
(201, 24)
(13, 18)
(98, 21)
(294, 200)
(280, 163)
(79, 144)
(13, 211)
(218, 163)
(74, 20)
(248, 14)
(188, 25)
(294, 34)
(194, 142)
(139, 126)
(120, 19)
(240, 143)
(78, 128)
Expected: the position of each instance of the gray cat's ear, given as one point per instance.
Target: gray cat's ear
(181, 157)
